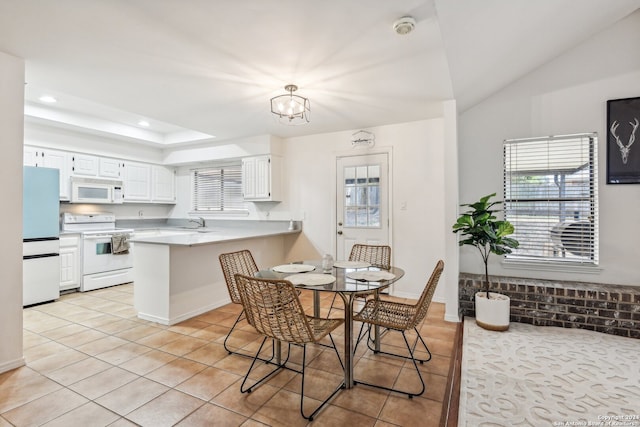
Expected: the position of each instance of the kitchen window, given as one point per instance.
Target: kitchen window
(551, 198)
(218, 189)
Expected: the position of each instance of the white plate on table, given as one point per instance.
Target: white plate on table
(351, 264)
(293, 268)
(370, 276)
(311, 279)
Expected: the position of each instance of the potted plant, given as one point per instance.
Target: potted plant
(480, 228)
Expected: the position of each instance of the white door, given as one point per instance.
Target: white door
(362, 202)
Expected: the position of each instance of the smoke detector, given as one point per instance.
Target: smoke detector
(404, 25)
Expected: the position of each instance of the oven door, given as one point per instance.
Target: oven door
(97, 256)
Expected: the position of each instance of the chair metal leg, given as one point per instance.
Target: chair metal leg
(333, 301)
(281, 366)
(411, 350)
(415, 343)
(226, 347)
(324, 402)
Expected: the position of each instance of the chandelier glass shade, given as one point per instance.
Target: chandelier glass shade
(291, 109)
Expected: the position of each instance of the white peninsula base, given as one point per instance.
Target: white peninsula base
(174, 282)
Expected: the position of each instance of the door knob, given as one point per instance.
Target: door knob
(340, 232)
(340, 224)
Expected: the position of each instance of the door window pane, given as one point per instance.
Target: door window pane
(362, 196)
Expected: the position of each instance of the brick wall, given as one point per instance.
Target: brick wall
(612, 309)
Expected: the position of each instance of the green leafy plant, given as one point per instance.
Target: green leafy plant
(480, 228)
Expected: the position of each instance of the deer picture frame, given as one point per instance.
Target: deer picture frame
(623, 157)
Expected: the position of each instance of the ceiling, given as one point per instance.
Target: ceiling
(204, 70)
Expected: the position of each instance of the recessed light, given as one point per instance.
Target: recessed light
(48, 99)
(144, 123)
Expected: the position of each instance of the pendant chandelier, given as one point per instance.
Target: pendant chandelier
(291, 109)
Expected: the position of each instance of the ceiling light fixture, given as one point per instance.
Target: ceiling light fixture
(48, 99)
(291, 109)
(143, 123)
(404, 25)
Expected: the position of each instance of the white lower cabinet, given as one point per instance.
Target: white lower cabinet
(69, 261)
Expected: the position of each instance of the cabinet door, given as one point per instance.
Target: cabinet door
(31, 156)
(137, 182)
(60, 160)
(261, 178)
(69, 262)
(163, 184)
(109, 168)
(85, 165)
(69, 268)
(249, 178)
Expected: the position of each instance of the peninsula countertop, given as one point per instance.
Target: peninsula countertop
(207, 235)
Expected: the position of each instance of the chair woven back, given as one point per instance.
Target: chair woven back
(232, 263)
(273, 308)
(422, 306)
(376, 255)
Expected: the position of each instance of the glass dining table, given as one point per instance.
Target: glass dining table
(352, 279)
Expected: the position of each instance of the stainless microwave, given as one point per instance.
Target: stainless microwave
(94, 190)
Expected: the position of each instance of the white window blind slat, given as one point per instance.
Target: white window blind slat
(550, 197)
(217, 189)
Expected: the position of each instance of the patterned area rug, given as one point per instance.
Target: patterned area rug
(548, 376)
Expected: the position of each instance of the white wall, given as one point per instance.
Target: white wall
(418, 175)
(565, 96)
(11, 134)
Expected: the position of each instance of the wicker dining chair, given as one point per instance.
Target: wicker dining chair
(376, 255)
(401, 317)
(273, 308)
(232, 263)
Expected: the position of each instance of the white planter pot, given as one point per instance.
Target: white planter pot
(493, 313)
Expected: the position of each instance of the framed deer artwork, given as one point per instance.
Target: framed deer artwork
(623, 158)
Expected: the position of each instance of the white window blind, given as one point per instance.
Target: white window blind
(550, 197)
(217, 189)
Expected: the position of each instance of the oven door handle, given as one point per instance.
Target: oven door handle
(97, 236)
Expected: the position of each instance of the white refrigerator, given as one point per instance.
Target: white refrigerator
(40, 235)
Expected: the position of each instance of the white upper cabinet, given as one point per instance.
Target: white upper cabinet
(85, 165)
(60, 160)
(30, 157)
(110, 168)
(163, 188)
(261, 178)
(142, 182)
(137, 182)
(54, 159)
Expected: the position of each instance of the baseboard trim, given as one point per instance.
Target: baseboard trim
(11, 364)
(451, 403)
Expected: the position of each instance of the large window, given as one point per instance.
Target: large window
(217, 189)
(550, 195)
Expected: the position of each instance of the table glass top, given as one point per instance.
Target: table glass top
(343, 283)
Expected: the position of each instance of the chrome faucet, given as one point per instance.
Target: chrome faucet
(199, 221)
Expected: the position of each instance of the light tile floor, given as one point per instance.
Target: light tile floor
(92, 362)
